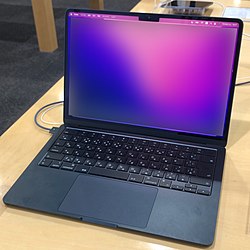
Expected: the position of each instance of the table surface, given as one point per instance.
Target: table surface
(22, 229)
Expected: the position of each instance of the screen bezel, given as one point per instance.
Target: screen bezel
(143, 131)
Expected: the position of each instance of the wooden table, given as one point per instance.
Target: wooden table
(45, 23)
(22, 229)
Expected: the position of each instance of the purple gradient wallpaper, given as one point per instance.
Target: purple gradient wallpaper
(172, 77)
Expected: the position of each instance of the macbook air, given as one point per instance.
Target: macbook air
(147, 108)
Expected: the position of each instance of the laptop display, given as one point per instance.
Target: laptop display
(171, 75)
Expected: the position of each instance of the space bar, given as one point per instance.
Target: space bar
(109, 173)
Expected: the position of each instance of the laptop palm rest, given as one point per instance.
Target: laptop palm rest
(109, 201)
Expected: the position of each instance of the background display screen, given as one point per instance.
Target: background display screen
(172, 75)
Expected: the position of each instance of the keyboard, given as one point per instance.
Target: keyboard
(163, 164)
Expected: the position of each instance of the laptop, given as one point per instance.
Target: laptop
(147, 108)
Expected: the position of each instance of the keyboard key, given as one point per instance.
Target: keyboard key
(56, 164)
(92, 134)
(191, 171)
(122, 139)
(79, 160)
(90, 162)
(132, 141)
(167, 167)
(177, 147)
(56, 149)
(204, 151)
(158, 173)
(100, 149)
(112, 165)
(109, 173)
(190, 190)
(99, 156)
(117, 145)
(135, 170)
(88, 154)
(143, 156)
(79, 146)
(82, 169)
(143, 163)
(154, 144)
(167, 160)
(193, 186)
(149, 150)
(70, 132)
(128, 146)
(90, 148)
(154, 158)
(179, 169)
(203, 191)
(187, 149)
(197, 150)
(136, 178)
(121, 152)
(155, 165)
(65, 137)
(45, 162)
(171, 153)
(60, 143)
(210, 152)
(205, 172)
(68, 151)
(146, 171)
(178, 161)
(132, 154)
(165, 183)
(151, 180)
(177, 187)
(101, 164)
(68, 166)
(208, 159)
(165, 145)
(143, 142)
(138, 148)
(78, 152)
(182, 178)
(123, 168)
(170, 176)
(121, 159)
(190, 163)
(107, 143)
(76, 138)
(54, 156)
(194, 157)
(200, 181)
(132, 162)
(160, 151)
(68, 158)
(86, 140)
(183, 155)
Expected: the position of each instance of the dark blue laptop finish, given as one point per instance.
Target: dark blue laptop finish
(147, 109)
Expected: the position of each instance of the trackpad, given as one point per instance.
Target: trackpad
(110, 201)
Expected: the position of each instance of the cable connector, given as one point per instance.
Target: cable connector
(53, 130)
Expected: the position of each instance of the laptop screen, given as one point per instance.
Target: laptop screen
(173, 74)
